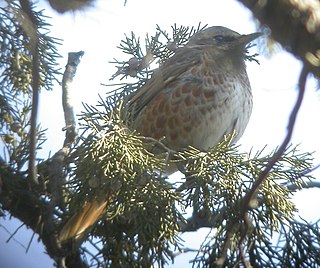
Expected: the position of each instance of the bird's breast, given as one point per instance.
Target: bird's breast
(198, 109)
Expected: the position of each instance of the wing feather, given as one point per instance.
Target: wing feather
(179, 63)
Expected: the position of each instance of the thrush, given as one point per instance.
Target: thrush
(195, 98)
(199, 95)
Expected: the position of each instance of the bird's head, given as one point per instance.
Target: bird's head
(221, 38)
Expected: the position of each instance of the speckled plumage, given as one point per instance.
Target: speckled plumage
(199, 94)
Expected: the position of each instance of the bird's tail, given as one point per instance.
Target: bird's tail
(79, 223)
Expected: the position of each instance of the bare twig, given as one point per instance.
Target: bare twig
(14, 233)
(30, 242)
(305, 185)
(246, 203)
(55, 165)
(200, 219)
(161, 144)
(71, 68)
(241, 241)
(309, 170)
(292, 120)
(185, 250)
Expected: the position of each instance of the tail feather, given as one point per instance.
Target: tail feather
(83, 220)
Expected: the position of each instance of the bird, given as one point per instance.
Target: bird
(199, 95)
(195, 98)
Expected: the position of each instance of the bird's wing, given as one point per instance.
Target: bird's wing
(183, 59)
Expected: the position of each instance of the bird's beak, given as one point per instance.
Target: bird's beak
(245, 39)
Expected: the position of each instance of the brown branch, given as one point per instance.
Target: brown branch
(200, 219)
(292, 120)
(35, 212)
(71, 68)
(305, 185)
(53, 168)
(294, 24)
(24, 205)
(185, 250)
(246, 203)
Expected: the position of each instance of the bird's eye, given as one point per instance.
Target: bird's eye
(219, 38)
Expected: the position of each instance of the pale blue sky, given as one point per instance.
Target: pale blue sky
(99, 30)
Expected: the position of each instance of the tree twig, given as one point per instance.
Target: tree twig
(292, 120)
(305, 185)
(56, 164)
(12, 235)
(71, 68)
(185, 250)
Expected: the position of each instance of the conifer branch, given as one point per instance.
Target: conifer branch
(31, 28)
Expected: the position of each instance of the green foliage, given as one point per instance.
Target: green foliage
(141, 222)
(300, 241)
(145, 211)
(158, 48)
(16, 77)
(147, 204)
(16, 56)
(218, 182)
